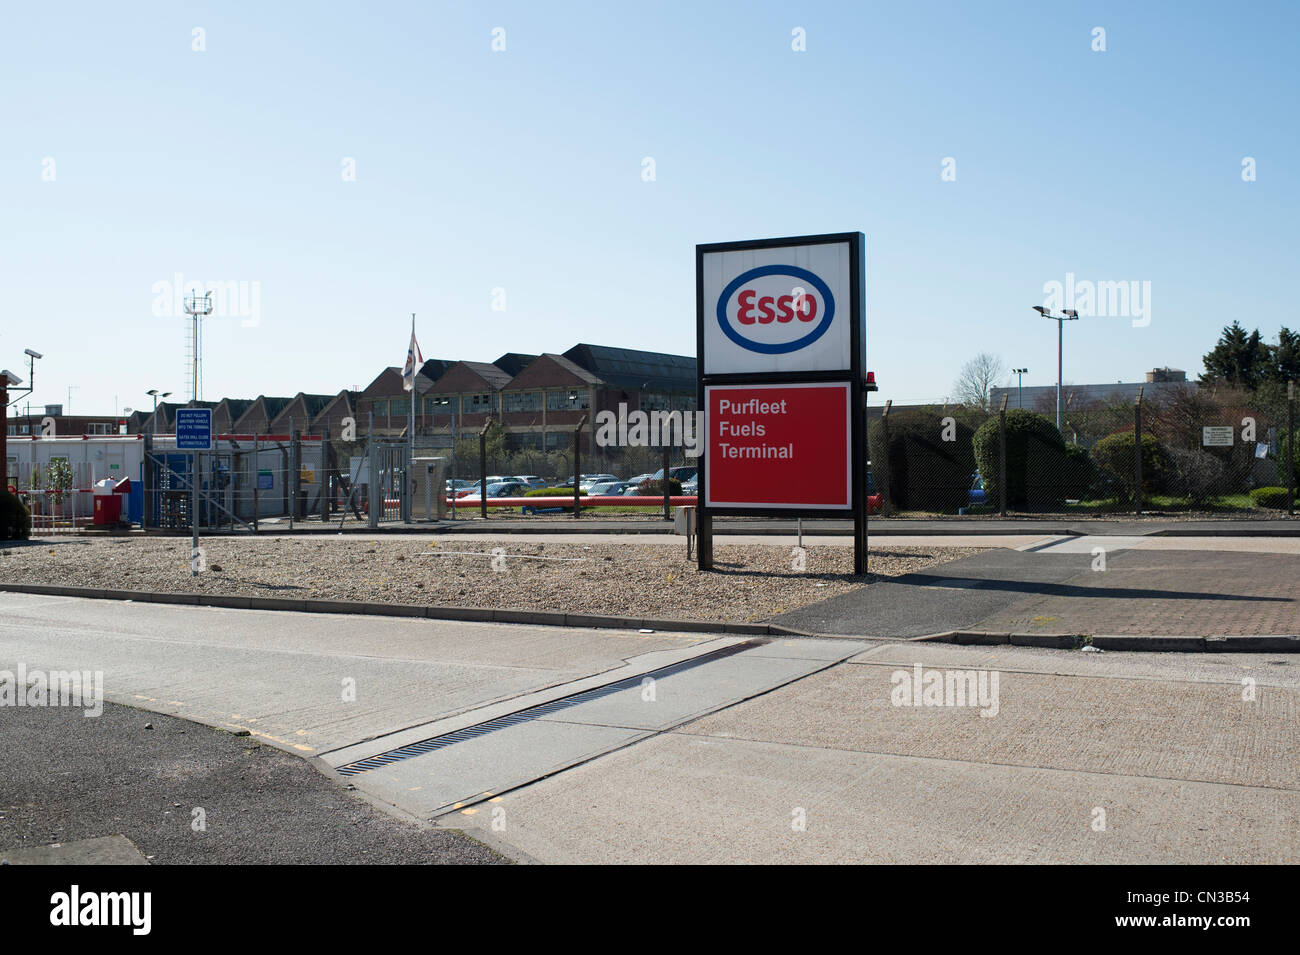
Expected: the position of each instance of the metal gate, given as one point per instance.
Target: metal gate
(390, 500)
(168, 497)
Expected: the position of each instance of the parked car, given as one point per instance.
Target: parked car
(875, 500)
(499, 489)
(692, 486)
(590, 480)
(639, 478)
(607, 487)
(680, 473)
(532, 480)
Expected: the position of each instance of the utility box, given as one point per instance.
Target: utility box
(110, 499)
(428, 489)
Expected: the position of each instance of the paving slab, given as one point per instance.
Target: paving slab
(679, 799)
(1063, 589)
(1142, 591)
(531, 748)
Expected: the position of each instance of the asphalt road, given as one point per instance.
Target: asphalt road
(66, 777)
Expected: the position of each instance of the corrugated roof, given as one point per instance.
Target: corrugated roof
(630, 368)
(512, 363)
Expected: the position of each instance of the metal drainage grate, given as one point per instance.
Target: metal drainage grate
(533, 712)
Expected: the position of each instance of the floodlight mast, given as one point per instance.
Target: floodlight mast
(1067, 315)
(197, 308)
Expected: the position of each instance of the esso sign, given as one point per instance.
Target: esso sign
(774, 310)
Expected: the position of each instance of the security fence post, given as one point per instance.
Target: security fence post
(482, 469)
(295, 473)
(1002, 458)
(372, 477)
(881, 473)
(256, 478)
(667, 492)
(1290, 448)
(1137, 450)
(323, 476)
(577, 465)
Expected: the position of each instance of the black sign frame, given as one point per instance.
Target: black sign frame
(855, 376)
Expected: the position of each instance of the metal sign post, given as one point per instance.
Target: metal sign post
(781, 360)
(194, 434)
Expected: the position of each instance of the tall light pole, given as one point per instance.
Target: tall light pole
(153, 421)
(1020, 385)
(1067, 315)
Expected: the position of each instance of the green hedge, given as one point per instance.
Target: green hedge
(15, 518)
(1042, 472)
(925, 472)
(1276, 498)
(552, 492)
(1114, 457)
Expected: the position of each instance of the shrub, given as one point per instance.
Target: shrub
(1041, 471)
(925, 472)
(15, 518)
(650, 488)
(1276, 498)
(552, 492)
(1114, 456)
(1197, 475)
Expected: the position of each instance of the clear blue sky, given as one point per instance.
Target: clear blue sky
(522, 170)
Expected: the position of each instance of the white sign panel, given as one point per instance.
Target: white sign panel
(1217, 437)
(783, 309)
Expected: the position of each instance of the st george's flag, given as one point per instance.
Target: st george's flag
(413, 361)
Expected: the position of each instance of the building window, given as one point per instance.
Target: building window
(380, 408)
(522, 401)
(577, 399)
(399, 407)
(477, 404)
(558, 440)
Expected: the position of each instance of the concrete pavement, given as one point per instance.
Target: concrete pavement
(566, 745)
(1090, 759)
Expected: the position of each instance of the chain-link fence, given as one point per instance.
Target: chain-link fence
(1180, 452)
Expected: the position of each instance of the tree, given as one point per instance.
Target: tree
(1239, 359)
(1285, 357)
(977, 379)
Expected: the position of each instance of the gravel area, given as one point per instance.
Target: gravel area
(622, 577)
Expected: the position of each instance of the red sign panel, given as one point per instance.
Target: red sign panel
(778, 446)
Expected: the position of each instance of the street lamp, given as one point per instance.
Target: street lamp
(1067, 315)
(153, 421)
(1020, 385)
(12, 381)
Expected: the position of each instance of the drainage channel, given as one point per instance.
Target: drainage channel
(534, 712)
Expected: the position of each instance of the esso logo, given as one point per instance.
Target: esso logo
(775, 309)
